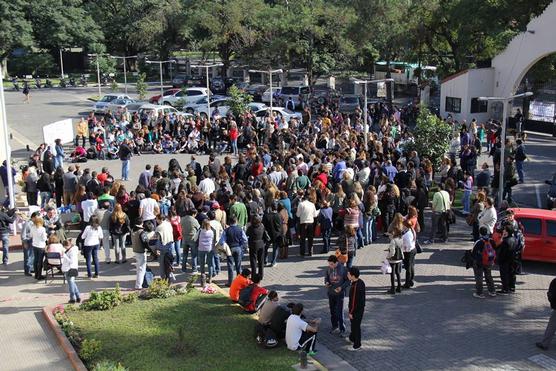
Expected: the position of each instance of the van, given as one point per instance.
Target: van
(298, 94)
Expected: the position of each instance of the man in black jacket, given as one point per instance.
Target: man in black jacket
(506, 260)
(6, 218)
(273, 224)
(356, 306)
(551, 327)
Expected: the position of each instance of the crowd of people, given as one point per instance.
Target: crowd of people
(284, 183)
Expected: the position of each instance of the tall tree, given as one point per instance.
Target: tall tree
(15, 29)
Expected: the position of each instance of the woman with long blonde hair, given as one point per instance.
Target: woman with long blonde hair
(39, 237)
(119, 228)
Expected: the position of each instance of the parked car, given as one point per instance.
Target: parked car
(183, 97)
(217, 85)
(193, 106)
(296, 93)
(101, 104)
(551, 194)
(256, 91)
(540, 233)
(179, 80)
(222, 105)
(277, 111)
(275, 94)
(256, 106)
(120, 104)
(348, 103)
(155, 98)
(154, 109)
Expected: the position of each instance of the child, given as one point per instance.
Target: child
(347, 245)
(70, 262)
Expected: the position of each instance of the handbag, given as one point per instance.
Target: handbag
(386, 268)
(73, 272)
(450, 216)
(418, 247)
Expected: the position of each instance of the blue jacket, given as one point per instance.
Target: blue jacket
(337, 277)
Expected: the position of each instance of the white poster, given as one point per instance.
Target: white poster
(381, 89)
(541, 111)
(62, 130)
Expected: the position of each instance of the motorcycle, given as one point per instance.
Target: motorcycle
(72, 82)
(48, 83)
(38, 83)
(104, 80)
(83, 81)
(15, 84)
(63, 83)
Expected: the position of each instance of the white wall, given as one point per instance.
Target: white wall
(455, 87)
(480, 84)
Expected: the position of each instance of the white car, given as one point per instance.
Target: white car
(192, 107)
(278, 111)
(222, 105)
(184, 97)
(275, 94)
(255, 106)
(119, 104)
(154, 110)
(101, 105)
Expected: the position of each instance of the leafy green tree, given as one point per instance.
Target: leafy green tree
(431, 136)
(15, 29)
(141, 86)
(238, 100)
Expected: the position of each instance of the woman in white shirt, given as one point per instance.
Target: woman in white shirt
(38, 236)
(92, 237)
(408, 242)
(70, 263)
(54, 246)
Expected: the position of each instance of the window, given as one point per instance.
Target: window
(551, 228)
(453, 104)
(531, 226)
(193, 93)
(478, 106)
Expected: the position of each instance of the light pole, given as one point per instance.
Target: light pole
(365, 83)
(97, 55)
(505, 101)
(125, 71)
(207, 66)
(6, 143)
(61, 63)
(160, 63)
(270, 72)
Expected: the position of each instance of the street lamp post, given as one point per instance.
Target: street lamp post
(207, 66)
(270, 72)
(61, 63)
(160, 63)
(97, 55)
(6, 143)
(125, 70)
(365, 117)
(505, 101)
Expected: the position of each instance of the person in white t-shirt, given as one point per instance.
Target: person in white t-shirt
(300, 334)
(148, 208)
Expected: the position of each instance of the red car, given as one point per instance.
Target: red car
(540, 233)
(154, 99)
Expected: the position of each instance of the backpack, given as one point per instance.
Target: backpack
(519, 242)
(245, 295)
(398, 254)
(488, 254)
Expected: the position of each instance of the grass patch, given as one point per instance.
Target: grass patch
(193, 332)
(457, 204)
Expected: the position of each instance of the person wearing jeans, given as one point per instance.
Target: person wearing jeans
(325, 221)
(205, 245)
(138, 246)
(119, 228)
(92, 237)
(336, 282)
(480, 269)
(38, 235)
(189, 226)
(27, 243)
(467, 190)
(164, 229)
(236, 239)
(125, 153)
(551, 326)
(306, 212)
(70, 262)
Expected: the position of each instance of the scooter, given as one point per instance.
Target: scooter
(72, 82)
(83, 81)
(63, 83)
(48, 83)
(38, 83)
(15, 84)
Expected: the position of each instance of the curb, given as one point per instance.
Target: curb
(63, 340)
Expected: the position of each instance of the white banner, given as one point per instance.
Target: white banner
(62, 130)
(381, 89)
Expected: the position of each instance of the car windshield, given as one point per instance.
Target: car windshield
(291, 90)
(202, 101)
(107, 98)
(350, 100)
(168, 92)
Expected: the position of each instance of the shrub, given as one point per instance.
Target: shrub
(141, 86)
(130, 298)
(159, 289)
(104, 300)
(109, 366)
(90, 349)
(114, 85)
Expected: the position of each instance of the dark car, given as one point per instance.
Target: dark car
(256, 91)
(217, 85)
(551, 194)
(179, 81)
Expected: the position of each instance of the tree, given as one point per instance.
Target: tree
(15, 29)
(141, 86)
(431, 137)
(238, 100)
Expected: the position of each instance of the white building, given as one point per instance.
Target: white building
(459, 92)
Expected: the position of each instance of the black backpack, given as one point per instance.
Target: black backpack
(245, 295)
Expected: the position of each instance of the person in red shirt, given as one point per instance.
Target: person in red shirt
(257, 168)
(239, 283)
(234, 134)
(254, 304)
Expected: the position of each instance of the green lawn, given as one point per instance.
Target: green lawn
(457, 201)
(143, 335)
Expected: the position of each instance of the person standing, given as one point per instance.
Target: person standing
(409, 239)
(164, 229)
(125, 153)
(119, 228)
(238, 211)
(506, 260)
(273, 225)
(6, 218)
(440, 205)
(138, 241)
(356, 306)
(148, 208)
(236, 239)
(205, 244)
(38, 241)
(306, 212)
(82, 131)
(551, 327)
(189, 226)
(325, 221)
(70, 185)
(488, 217)
(70, 265)
(520, 158)
(92, 237)
(483, 259)
(336, 282)
(256, 243)
(26, 242)
(58, 154)
(4, 176)
(395, 258)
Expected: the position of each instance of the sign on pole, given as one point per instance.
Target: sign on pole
(381, 89)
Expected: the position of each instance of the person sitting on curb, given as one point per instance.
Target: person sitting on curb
(252, 297)
(239, 283)
(301, 335)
